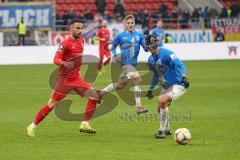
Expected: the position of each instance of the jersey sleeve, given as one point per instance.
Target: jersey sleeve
(115, 43)
(59, 54)
(177, 63)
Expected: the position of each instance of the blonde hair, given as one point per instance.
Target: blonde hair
(127, 17)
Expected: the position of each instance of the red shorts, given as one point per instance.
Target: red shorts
(104, 51)
(64, 86)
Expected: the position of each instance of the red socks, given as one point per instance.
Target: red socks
(89, 110)
(43, 112)
(107, 61)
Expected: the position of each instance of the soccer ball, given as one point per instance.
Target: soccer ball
(182, 136)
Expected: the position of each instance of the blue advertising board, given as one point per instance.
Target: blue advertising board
(35, 15)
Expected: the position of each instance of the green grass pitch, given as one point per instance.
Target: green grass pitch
(210, 110)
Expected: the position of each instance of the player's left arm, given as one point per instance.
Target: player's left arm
(59, 55)
(178, 64)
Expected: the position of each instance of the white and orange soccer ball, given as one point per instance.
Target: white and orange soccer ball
(182, 136)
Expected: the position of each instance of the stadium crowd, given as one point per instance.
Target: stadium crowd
(172, 16)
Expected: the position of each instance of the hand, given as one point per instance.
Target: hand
(185, 81)
(117, 58)
(69, 64)
(184, 76)
(149, 95)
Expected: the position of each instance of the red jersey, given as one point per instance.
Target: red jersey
(69, 50)
(104, 35)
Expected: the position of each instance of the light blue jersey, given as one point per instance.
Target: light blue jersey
(159, 33)
(129, 44)
(167, 69)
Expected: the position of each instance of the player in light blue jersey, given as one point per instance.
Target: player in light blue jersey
(129, 42)
(159, 32)
(172, 75)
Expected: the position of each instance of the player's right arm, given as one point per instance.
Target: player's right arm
(59, 55)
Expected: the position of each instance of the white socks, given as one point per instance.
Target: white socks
(164, 119)
(111, 87)
(137, 92)
(85, 122)
(33, 125)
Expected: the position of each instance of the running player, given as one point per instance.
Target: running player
(172, 75)
(129, 42)
(69, 59)
(159, 32)
(103, 35)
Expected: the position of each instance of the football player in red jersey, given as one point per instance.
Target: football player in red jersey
(103, 35)
(69, 59)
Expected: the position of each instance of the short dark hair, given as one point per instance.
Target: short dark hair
(76, 20)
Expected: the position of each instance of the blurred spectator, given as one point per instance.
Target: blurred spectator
(163, 8)
(195, 17)
(219, 36)
(166, 18)
(22, 30)
(59, 22)
(80, 16)
(145, 21)
(174, 16)
(185, 19)
(69, 15)
(107, 16)
(97, 17)
(101, 4)
(159, 32)
(224, 13)
(235, 9)
(213, 13)
(205, 15)
(138, 17)
(168, 38)
(88, 15)
(229, 12)
(119, 9)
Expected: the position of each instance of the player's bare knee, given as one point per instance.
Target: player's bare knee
(163, 101)
(138, 81)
